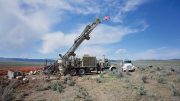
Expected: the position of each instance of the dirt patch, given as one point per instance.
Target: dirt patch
(26, 69)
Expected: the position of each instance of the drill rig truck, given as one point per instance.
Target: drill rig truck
(68, 63)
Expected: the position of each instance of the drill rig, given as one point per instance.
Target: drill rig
(68, 63)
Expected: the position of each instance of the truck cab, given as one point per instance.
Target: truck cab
(128, 66)
(105, 64)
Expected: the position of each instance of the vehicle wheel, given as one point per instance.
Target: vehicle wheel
(81, 71)
(113, 69)
(73, 72)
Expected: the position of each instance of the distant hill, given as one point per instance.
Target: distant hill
(159, 60)
(116, 61)
(175, 59)
(2, 59)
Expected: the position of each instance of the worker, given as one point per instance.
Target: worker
(101, 67)
(98, 67)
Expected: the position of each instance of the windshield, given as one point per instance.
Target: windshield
(127, 61)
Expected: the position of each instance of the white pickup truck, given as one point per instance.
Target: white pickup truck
(127, 65)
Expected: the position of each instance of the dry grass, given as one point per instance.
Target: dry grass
(175, 91)
(8, 92)
(151, 82)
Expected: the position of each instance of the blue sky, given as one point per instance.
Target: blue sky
(137, 29)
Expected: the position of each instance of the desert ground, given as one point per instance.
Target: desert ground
(151, 81)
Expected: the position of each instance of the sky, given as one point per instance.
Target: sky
(137, 29)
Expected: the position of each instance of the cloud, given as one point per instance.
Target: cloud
(159, 53)
(131, 5)
(124, 7)
(75, 6)
(57, 40)
(102, 36)
(121, 51)
(106, 34)
(30, 19)
(19, 27)
(24, 22)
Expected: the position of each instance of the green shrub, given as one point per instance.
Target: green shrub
(43, 87)
(150, 66)
(172, 69)
(141, 91)
(142, 69)
(152, 71)
(60, 88)
(161, 80)
(112, 73)
(57, 86)
(68, 80)
(144, 79)
(82, 93)
(54, 86)
(98, 80)
(118, 74)
(177, 70)
(174, 91)
(158, 68)
(70, 83)
(101, 75)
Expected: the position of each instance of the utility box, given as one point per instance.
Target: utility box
(12, 74)
(88, 61)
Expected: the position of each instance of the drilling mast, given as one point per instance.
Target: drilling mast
(64, 62)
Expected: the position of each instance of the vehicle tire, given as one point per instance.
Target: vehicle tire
(113, 69)
(81, 71)
(123, 70)
(73, 72)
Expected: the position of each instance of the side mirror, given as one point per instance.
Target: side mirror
(60, 55)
